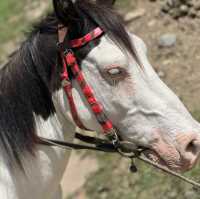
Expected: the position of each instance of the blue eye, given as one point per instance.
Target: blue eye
(114, 71)
(115, 74)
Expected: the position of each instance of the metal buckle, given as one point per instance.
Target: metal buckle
(129, 149)
(67, 51)
(60, 46)
(65, 83)
(113, 137)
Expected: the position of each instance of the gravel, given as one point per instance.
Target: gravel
(181, 8)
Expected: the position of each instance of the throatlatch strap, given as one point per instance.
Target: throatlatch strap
(67, 86)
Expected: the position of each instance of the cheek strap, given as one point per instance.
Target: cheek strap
(96, 107)
(69, 61)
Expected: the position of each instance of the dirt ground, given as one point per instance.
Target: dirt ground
(77, 171)
(179, 66)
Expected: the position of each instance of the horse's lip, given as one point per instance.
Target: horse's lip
(151, 155)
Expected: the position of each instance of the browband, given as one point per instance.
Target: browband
(77, 43)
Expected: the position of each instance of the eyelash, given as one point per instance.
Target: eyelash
(114, 79)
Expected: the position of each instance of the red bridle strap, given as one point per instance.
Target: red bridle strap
(77, 43)
(96, 107)
(69, 60)
(67, 86)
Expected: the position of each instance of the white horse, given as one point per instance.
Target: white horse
(32, 102)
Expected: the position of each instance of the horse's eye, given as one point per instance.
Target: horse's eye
(114, 71)
(115, 74)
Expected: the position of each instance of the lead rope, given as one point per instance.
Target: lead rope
(138, 155)
(168, 171)
(106, 147)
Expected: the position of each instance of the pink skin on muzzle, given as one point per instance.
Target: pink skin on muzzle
(181, 157)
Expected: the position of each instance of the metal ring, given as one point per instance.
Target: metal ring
(126, 154)
(125, 148)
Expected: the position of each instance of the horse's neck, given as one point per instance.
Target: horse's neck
(51, 162)
(59, 125)
(63, 115)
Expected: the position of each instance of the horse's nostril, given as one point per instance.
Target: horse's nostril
(193, 147)
(190, 151)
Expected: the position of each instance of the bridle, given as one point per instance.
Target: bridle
(113, 143)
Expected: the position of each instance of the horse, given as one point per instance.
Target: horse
(33, 103)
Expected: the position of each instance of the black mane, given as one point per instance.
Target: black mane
(32, 74)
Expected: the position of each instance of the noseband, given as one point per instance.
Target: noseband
(113, 143)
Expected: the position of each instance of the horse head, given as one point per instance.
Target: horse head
(142, 108)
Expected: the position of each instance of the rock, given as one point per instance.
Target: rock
(181, 8)
(134, 15)
(197, 6)
(192, 13)
(184, 9)
(161, 74)
(167, 62)
(165, 8)
(174, 3)
(152, 23)
(171, 3)
(167, 40)
(190, 3)
(198, 14)
(175, 13)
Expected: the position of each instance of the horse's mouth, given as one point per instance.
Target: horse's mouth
(177, 166)
(156, 158)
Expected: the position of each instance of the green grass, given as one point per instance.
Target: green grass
(15, 19)
(113, 180)
(196, 114)
(12, 21)
(124, 4)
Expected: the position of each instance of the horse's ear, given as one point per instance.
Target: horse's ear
(106, 2)
(65, 10)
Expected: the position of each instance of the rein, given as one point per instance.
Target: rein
(113, 143)
(101, 145)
